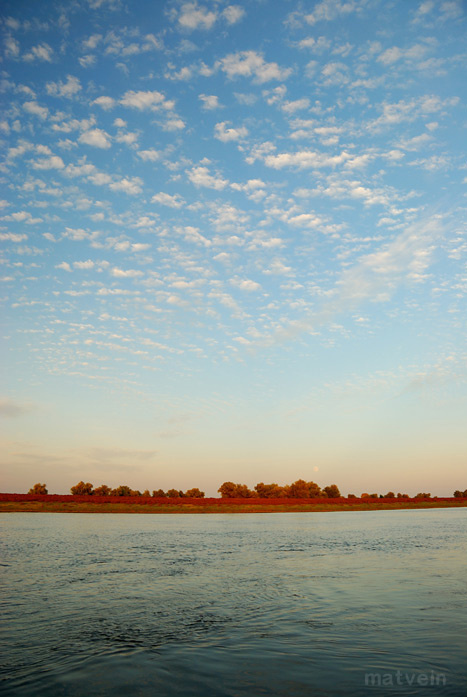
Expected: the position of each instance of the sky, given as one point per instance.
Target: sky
(233, 244)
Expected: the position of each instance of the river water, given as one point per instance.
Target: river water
(282, 604)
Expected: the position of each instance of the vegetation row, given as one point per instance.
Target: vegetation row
(299, 489)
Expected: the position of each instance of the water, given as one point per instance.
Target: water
(297, 604)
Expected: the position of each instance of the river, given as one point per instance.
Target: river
(281, 604)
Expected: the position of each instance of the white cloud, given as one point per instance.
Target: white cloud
(96, 138)
(12, 237)
(125, 273)
(149, 155)
(41, 52)
(130, 185)
(11, 47)
(296, 105)
(127, 138)
(377, 275)
(221, 132)
(173, 124)
(104, 102)
(305, 159)
(192, 16)
(210, 101)
(245, 284)
(64, 89)
(144, 100)
(200, 176)
(89, 264)
(233, 13)
(34, 108)
(252, 64)
(173, 201)
(53, 162)
(92, 43)
(87, 61)
(65, 266)
(328, 10)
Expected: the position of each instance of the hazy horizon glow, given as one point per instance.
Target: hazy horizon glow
(234, 245)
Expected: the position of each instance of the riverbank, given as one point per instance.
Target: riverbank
(219, 506)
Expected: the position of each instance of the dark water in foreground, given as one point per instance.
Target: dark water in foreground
(297, 604)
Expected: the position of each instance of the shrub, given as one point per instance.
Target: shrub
(38, 489)
(82, 489)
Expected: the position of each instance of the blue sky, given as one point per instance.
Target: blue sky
(233, 244)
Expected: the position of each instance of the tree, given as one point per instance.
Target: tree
(390, 495)
(332, 491)
(146, 493)
(458, 494)
(269, 491)
(159, 493)
(422, 495)
(82, 489)
(194, 493)
(38, 489)
(102, 490)
(121, 490)
(299, 490)
(227, 490)
(173, 493)
(243, 492)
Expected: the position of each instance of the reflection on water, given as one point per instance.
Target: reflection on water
(295, 604)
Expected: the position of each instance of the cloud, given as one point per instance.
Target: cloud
(304, 159)
(12, 237)
(65, 266)
(145, 100)
(104, 102)
(12, 409)
(394, 54)
(210, 101)
(328, 10)
(173, 201)
(89, 264)
(53, 162)
(221, 132)
(252, 64)
(192, 16)
(405, 259)
(129, 185)
(200, 176)
(149, 155)
(126, 273)
(64, 89)
(34, 108)
(96, 138)
(233, 13)
(245, 284)
(11, 47)
(41, 52)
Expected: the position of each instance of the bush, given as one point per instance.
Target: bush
(122, 490)
(38, 489)
(332, 491)
(194, 493)
(82, 489)
(102, 490)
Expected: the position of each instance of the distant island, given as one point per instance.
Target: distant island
(300, 496)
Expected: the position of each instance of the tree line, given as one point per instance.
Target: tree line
(299, 489)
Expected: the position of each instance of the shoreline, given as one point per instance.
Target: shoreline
(223, 506)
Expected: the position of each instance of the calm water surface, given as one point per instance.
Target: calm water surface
(298, 604)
